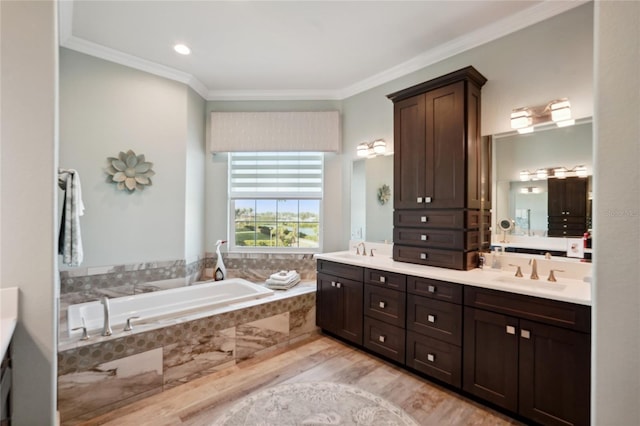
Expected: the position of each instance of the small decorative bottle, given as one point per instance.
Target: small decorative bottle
(220, 271)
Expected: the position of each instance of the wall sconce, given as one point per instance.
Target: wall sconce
(553, 172)
(558, 111)
(372, 149)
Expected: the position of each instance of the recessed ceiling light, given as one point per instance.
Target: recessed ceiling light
(182, 49)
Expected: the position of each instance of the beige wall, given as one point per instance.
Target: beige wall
(616, 308)
(28, 83)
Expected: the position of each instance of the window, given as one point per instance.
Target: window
(275, 200)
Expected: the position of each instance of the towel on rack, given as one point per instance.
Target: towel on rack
(70, 239)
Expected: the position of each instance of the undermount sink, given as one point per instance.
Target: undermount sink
(540, 284)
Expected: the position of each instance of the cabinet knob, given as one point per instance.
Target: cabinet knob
(511, 329)
(431, 318)
(338, 285)
(431, 289)
(333, 283)
(526, 334)
(419, 200)
(382, 339)
(427, 199)
(423, 256)
(431, 357)
(382, 304)
(423, 237)
(424, 219)
(383, 279)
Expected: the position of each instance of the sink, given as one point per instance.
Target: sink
(538, 284)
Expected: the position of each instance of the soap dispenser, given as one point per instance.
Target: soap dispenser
(220, 271)
(495, 258)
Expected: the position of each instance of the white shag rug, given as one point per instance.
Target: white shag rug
(316, 403)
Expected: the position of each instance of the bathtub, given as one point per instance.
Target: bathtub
(165, 303)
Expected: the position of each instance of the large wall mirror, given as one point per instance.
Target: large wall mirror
(525, 199)
(372, 199)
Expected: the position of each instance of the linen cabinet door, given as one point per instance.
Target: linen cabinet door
(490, 357)
(350, 306)
(554, 374)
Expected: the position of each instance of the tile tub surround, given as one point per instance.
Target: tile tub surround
(188, 348)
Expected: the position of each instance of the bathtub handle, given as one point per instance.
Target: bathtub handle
(85, 335)
(129, 326)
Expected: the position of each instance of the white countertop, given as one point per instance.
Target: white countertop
(565, 289)
(8, 316)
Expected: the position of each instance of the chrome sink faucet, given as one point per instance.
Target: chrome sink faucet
(534, 269)
(106, 329)
(364, 249)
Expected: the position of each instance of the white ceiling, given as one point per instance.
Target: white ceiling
(290, 49)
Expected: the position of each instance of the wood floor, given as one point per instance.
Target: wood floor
(320, 358)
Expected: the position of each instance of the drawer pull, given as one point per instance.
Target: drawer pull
(525, 334)
(423, 256)
(431, 318)
(333, 283)
(431, 289)
(423, 237)
(382, 339)
(383, 279)
(424, 219)
(427, 199)
(431, 357)
(338, 285)
(419, 200)
(511, 329)
(382, 304)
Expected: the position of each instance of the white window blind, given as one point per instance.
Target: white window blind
(276, 174)
(275, 131)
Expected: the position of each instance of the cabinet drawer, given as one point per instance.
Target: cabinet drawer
(437, 238)
(385, 305)
(567, 232)
(384, 339)
(385, 279)
(434, 318)
(476, 218)
(562, 314)
(435, 358)
(563, 220)
(436, 257)
(434, 289)
(340, 269)
(429, 218)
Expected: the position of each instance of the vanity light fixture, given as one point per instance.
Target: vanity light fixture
(371, 149)
(558, 111)
(560, 172)
(525, 175)
(541, 174)
(553, 172)
(182, 49)
(530, 190)
(581, 171)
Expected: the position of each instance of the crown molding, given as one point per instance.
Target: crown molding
(498, 29)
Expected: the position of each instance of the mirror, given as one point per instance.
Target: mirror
(372, 199)
(526, 202)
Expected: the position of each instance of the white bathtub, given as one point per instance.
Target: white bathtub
(165, 303)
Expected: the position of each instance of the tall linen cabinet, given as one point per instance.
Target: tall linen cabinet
(441, 172)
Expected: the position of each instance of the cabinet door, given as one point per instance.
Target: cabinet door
(554, 374)
(490, 357)
(446, 146)
(350, 301)
(575, 197)
(410, 153)
(327, 303)
(555, 202)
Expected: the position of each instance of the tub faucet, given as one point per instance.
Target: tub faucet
(534, 269)
(106, 328)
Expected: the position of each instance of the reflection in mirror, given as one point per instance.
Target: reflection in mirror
(371, 217)
(526, 201)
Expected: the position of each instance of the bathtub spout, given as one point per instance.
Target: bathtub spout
(106, 329)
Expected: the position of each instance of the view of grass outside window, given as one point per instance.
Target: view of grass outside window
(275, 200)
(277, 223)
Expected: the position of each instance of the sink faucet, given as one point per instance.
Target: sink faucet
(364, 250)
(106, 329)
(534, 269)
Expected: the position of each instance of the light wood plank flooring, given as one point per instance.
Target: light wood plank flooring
(319, 358)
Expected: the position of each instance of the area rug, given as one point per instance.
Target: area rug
(316, 403)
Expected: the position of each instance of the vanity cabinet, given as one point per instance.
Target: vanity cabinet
(439, 161)
(384, 313)
(567, 207)
(5, 388)
(434, 329)
(339, 296)
(528, 355)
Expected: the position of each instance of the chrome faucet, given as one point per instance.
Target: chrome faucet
(106, 328)
(534, 269)
(364, 250)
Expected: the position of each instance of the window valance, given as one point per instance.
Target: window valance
(275, 131)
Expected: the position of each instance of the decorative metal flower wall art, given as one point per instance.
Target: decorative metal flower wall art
(130, 171)
(384, 193)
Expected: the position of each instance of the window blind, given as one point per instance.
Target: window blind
(275, 131)
(275, 174)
